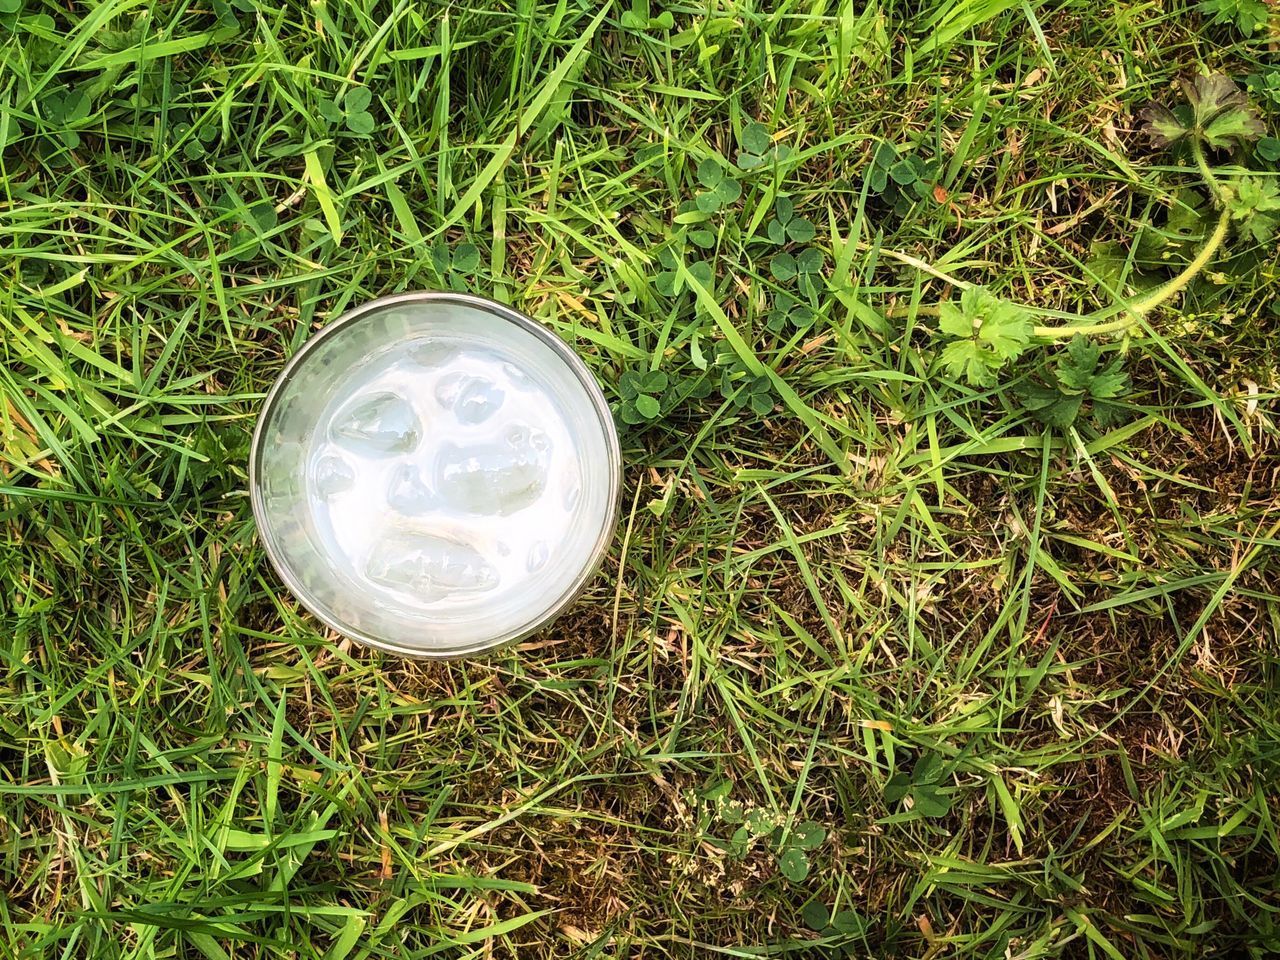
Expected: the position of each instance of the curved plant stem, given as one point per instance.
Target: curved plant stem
(1202, 164)
(1158, 296)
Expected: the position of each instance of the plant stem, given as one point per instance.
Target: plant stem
(1155, 298)
(1202, 164)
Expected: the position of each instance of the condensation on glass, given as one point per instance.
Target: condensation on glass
(435, 474)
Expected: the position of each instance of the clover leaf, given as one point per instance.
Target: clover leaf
(741, 388)
(722, 189)
(669, 282)
(923, 785)
(641, 395)
(758, 148)
(638, 19)
(353, 111)
(785, 225)
(789, 311)
(456, 265)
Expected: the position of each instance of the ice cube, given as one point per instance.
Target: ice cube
(495, 479)
(472, 399)
(430, 567)
(408, 493)
(478, 401)
(377, 424)
(538, 554)
(572, 494)
(519, 379)
(433, 354)
(333, 476)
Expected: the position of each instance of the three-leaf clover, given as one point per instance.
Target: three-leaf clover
(787, 310)
(251, 221)
(1217, 113)
(817, 916)
(1254, 204)
(740, 388)
(196, 138)
(353, 110)
(456, 265)
(669, 282)
(638, 18)
(641, 395)
(809, 261)
(722, 189)
(224, 12)
(793, 861)
(758, 148)
(64, 107)
(1078, 378)
(785, 225)
(989, 333)
(923, 786)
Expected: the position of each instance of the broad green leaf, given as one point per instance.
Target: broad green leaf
(953, 321)
(710, 172)
(965, 358)
(755, 138)
(927, 768)
(329, 110)
(1161, 125)
(631, 414)
(361, 123)
(783, 267)
(702, 272)
(815, 914)
(810, 260)
(794, 865)
(801, 230)
(630, 384)
(903, 173)
(648, 406)
(930, 801)
(466, 258)
(897, 787)
(849, 921)
(1222, 112)
(357, 99)
(1253, 201)
(808, 835)
(728, 190)
(654, 381)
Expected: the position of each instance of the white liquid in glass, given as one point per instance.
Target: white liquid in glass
(435, 478)
(444, 475)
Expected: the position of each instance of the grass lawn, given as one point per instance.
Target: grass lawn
(927, 631)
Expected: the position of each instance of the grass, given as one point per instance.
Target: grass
(1023, 680)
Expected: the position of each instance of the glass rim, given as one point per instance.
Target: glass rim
(582, 374)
